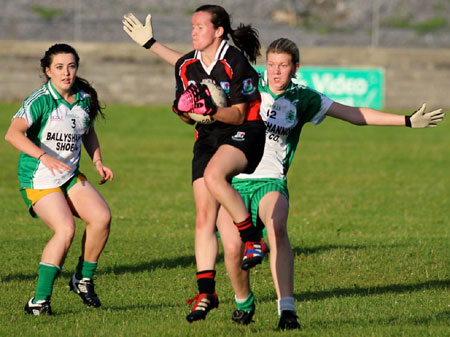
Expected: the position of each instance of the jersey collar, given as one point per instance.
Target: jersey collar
(220, 55)
(57, 97)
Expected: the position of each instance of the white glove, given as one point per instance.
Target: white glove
(421, 119)
(142, 35)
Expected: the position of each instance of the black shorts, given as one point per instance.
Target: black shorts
(248, 137)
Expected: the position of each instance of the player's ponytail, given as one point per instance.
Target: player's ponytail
(80, 83)
(95, 108)
(245, 37)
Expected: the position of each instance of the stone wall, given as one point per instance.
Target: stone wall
(125, 73)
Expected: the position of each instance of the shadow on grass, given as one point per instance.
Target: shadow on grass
(437, 319)
(82, 309)
(181, 261)
(168, 263)
(319, 249)
(369, 291)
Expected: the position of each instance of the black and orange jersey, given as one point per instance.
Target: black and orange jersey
(230, 70)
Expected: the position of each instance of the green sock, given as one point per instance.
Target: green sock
(85, 269)
(248, 304)
(47, 276)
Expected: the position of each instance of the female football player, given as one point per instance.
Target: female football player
(285, 108)
(231, 145)
(48, 129)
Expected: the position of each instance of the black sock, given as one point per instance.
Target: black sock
(247, 231)
(206, 282)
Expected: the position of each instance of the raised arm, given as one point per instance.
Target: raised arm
(143, 36)
(368, 116)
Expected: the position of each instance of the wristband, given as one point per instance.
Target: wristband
(95, 162)
(39, 158)
(149, 43)
(408, 121)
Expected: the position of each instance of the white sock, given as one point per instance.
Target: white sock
(286, 303)
(238, 300)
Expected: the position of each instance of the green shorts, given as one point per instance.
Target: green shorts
(32, 196)
(253, 190)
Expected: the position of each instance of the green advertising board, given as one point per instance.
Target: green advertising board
(352, 86)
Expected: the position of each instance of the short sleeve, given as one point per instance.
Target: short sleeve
(320, 115)
(178, 83)
(31, 110)
(244, 84)
(313, 105)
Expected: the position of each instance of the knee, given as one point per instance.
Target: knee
(212, 179)
(209, 179)
(202, 224)
(66, 233)
(103, 219)
(205, 219)
(233, 250)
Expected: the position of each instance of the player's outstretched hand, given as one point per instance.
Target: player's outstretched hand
(142, 35)
(421, 119)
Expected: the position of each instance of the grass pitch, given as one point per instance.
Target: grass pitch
(369, 225)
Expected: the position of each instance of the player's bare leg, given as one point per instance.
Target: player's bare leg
(89, 205)
(233, 248)
(227, 162)
(273, 211)
(206, 248)
(54, 211)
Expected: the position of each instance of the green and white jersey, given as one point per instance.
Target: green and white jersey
(284, 116)
(57, 128)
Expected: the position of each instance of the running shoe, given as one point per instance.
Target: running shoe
(85, 289)
(203, 304)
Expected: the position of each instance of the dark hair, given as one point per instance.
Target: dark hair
(80, 83)
(283, 45)
(245, 37)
